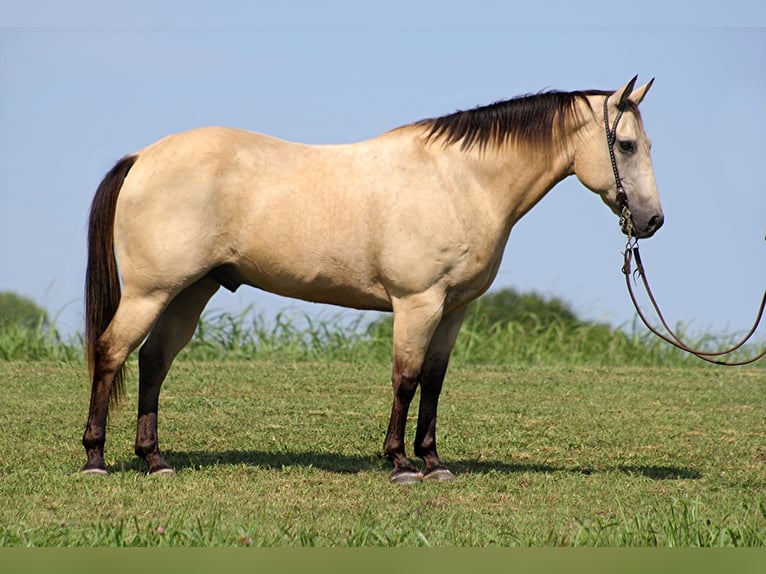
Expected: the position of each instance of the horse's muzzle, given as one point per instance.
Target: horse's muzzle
(646, 230)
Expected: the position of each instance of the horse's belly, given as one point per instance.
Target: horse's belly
(344, 290)
(319, 291)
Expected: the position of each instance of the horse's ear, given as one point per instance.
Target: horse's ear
(638, 94)
(621, 96)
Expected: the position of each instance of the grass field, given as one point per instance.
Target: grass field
(287, 452)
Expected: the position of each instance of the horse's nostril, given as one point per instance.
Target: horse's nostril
(656, 222)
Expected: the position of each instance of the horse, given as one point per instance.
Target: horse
(413, 221)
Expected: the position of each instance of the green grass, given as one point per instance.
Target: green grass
(561, 433)
(287, 452)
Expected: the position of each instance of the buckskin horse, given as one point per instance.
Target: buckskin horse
(414, 221)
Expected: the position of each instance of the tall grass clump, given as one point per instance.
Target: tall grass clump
(28, 334)
(44, 342)
(289, 336)
(561, 342)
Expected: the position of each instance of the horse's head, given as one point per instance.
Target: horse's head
(624, 175)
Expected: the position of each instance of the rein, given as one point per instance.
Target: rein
(631, 253)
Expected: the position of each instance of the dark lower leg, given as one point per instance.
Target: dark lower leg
(425, 436)
(147, 445)
(152, 371)
(93, 440)
(94, 437)
(404, 391)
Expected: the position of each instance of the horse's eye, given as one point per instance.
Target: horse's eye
(627, 146)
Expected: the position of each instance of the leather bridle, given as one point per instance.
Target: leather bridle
(626, 219)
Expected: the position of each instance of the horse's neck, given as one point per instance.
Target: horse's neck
(513, 180)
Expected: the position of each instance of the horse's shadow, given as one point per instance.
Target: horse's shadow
(351, 464)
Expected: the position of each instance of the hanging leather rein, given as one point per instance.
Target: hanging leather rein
(631, 253)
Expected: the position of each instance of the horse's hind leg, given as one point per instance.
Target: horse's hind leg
(172, 331)
(130, 324)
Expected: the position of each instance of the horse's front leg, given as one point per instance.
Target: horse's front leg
(404, 383)
(432, 377)
(415, 320)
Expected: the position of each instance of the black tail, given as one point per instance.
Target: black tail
(102, 283)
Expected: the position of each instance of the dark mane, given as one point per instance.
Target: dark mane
(530, 119)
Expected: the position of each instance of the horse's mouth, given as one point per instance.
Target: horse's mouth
(651, 227)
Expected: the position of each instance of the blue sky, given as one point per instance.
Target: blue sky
(84, 83)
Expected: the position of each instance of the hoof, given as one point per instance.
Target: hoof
(165, 471)
(439, 475)
(406, 477)
(97, 471)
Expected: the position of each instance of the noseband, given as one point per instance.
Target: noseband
(631, 253)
